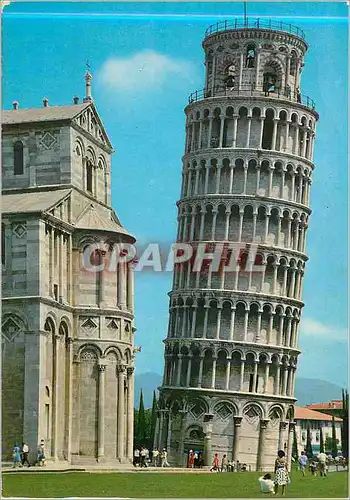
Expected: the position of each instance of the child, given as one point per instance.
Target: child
(313, 468)
(266, 484)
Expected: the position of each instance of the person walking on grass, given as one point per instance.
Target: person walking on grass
(322, 459)
(303, 461)
(224, 464)
(16, 456)
(215, 466)
(281, 472)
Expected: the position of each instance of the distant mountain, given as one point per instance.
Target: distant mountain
(307, 390)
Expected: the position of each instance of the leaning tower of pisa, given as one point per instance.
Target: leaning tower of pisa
(232, 346)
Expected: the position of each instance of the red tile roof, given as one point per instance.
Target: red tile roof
(335, 403)
(304, 413)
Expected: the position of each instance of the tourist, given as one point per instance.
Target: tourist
(215, 466)
(25, 451)
(191, 459)
(322, 458)
(16, 456)
(303, 461)
(224, 464)
(136, 461)
(313, 468)
(281, 472)
(200, 460)
(155, 457)
(164, 458)
(196, 456)
(231, 466)
(143, 455)
(266, 484)
(243, 468)
(41, 453)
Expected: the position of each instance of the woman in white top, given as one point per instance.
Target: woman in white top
(266, 484)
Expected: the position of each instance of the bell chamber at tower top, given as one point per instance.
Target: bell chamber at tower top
(254, 58)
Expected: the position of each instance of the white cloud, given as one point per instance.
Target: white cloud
(315, 328)
(143, 71)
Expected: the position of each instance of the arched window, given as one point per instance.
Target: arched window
(250, 57)
(89, 176)
(18, 158)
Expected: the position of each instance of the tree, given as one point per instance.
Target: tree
(328, 444)
(153, 420)
(308, 449)
(345, 424)
(141, 423)
(322, 450)
(295, 453)
(334, 440)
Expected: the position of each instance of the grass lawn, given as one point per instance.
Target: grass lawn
(153, 485)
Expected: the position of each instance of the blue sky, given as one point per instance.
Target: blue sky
(45, 47)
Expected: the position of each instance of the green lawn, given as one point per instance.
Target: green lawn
(162, 485)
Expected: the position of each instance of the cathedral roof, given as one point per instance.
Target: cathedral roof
(49, 113)
(92, 219)
(38, 201)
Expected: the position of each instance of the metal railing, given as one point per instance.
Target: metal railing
(266, 24)
(252, 91)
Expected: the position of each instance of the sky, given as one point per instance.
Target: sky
(146, 58)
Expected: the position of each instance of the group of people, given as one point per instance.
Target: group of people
(314, 466)
(143, 457)
(226, 465)
(20, 455)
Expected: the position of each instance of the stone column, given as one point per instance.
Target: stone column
(262, 120)
(221, 137)
(194, 317)
(69, 397)
(274, 135)
(258, 329)
(197, 180)
(287, 71)
(246, 313)
(55, 401)
(218, 175)
(257, 178)
(205, 326)
(270, 180)
(183, 414)
(266, 381)
(232, 325)
(215, 215)
(234, 139)
(248, 131)
(241, 380)
(245, 178)
(201, 229)
(227, 374)
(208, 446)
(168, 438)
(101, 412)
(286, 138)
(262, 442)
(241, 62)
(284, 381)
(241, 213)
(255, 375)
(188, 373)
(213, 375)
(285, 276)
(179, 368)
(218, 325)
(280, 333)
(121, 410)
(290, 444)
(199, 145)
(277, 382)
(231, 179)
(269, 331)
(255, 215)
(266, 228)
(210, 132)
(257, 69)
(60, 267)
(237, 421)
(227, 223)
(70, 271)
(200, 374)
(282, 429)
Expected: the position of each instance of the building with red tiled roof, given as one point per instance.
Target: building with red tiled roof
(332, 408)
(306, 417)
